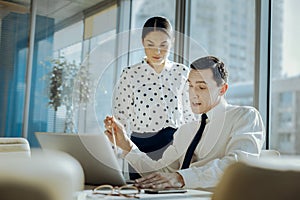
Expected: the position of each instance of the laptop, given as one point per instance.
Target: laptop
(93, 151)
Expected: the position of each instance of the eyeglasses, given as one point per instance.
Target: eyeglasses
(128, 191)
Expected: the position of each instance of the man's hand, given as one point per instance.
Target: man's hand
(159, 180)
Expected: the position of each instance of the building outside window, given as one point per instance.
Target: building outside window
(226, 29)
(285, 89)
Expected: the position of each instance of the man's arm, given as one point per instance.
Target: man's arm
(172, 156)
(141, 161)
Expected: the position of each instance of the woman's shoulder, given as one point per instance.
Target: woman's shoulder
(179, 69)
(180, 65)
(133, 67)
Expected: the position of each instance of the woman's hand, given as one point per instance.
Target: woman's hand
(160, 180)
(113, 126)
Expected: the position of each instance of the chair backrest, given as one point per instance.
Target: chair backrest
(274, 178)
(269, 153)
(45, 175)
(14, 146)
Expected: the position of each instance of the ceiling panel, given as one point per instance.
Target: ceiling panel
(57, 9)
(63, 9)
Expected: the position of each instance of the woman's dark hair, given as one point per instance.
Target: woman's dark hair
(157, 24)
(218, 68)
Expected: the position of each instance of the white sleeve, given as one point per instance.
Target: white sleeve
(170, 161)
(145, 165)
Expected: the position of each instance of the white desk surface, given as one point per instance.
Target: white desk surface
(190, 194)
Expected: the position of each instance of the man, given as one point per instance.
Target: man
(230, 133)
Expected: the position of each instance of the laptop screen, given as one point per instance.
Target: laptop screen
(93, 151)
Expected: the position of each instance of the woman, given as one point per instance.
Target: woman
(148, 97)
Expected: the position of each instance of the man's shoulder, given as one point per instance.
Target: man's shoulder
(241, 110)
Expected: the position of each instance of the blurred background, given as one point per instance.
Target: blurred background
(257, 39)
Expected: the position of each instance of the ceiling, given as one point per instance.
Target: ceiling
(57, 9)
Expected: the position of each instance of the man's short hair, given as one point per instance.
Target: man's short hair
(218, 68)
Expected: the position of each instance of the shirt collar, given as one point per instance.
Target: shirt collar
(216, 111)
(167, 67)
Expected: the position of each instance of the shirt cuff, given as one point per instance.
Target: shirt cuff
(131, 154)
(190, 178)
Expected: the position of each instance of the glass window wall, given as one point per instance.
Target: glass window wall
(285, 77)
(226, 29)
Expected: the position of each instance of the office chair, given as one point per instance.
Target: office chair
(274, 178)
(269, 153)
(46, 175)
(14, 146)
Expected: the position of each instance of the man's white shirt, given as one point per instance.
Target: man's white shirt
(232, 133)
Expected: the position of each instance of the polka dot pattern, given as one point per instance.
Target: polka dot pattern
(148, 101)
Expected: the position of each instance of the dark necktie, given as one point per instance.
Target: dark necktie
(194, 143)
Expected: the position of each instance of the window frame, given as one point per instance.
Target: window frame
(262, 74)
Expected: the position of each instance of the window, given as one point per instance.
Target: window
(14, 53)
(286, 99)
(100, 45)
(89, 43)
(141, 11)
(69, 47)
(59, 31)
(285, 90)
(226, 29)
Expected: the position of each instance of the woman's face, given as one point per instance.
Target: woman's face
(157, 45)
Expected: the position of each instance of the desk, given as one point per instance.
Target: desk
(190, 194)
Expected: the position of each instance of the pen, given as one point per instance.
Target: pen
(114, 139)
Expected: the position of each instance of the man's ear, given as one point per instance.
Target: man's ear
(223, 89)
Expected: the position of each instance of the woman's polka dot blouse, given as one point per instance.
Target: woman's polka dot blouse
(147, 101)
